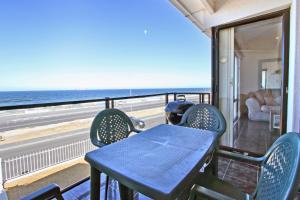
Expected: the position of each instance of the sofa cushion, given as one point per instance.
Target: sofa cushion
(260, 97)
(278, 100)
(267, 109)
(270, 101)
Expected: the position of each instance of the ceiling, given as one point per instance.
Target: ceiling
(206, 14)
(262, 36)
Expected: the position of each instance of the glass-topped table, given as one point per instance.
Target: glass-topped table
(159, 162)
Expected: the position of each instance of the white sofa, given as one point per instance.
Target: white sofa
(260, 111)
(254, 111)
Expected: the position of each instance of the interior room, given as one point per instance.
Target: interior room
(257, 84)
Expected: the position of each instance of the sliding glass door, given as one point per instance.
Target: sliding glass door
(226, 71)
(250, 80)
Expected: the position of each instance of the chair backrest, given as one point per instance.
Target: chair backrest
(109, 126)
(279, 178)
(204, 116)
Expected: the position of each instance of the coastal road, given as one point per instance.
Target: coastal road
(51, 141)
(46, 116)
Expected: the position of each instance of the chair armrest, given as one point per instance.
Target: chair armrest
(137, 122)
(240, 157)
(96, 142)
(136, 130)
(48, 192)
(198, 191)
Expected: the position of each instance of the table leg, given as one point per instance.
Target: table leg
(106, 187)
(125, 192)
(95, 184)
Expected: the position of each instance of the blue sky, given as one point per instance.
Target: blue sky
(95, 44)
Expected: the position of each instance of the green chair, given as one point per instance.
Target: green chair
(279, 176)
(207, 117)
(204, 116)
(110, 126)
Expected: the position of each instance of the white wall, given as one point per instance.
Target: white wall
(249, 70)
(293, 121)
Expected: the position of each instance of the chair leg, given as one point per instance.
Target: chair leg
(215, 166)
(106, 187)
(215, 163)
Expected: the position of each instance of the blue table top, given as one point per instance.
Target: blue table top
(159, 162)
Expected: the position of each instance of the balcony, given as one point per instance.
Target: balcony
(45, 143)
(62, 161)
(254, 51)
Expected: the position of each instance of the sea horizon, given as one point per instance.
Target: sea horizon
(13, 98)
(64, 89)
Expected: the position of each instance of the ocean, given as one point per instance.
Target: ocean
(35, 97)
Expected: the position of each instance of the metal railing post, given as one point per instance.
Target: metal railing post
(175, 96)
(112, 103)
(166, 102)
(106, 102)
(200, 97)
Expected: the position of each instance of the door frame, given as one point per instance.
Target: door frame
(285, 14)
(236, 71)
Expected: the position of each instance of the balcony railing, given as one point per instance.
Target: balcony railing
(109, 102)
(17, 166)
(29, 163)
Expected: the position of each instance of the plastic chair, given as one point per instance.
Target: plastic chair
(51, 191)
(204, 116)
(207, 117)
(279, 177)
(110, 126)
